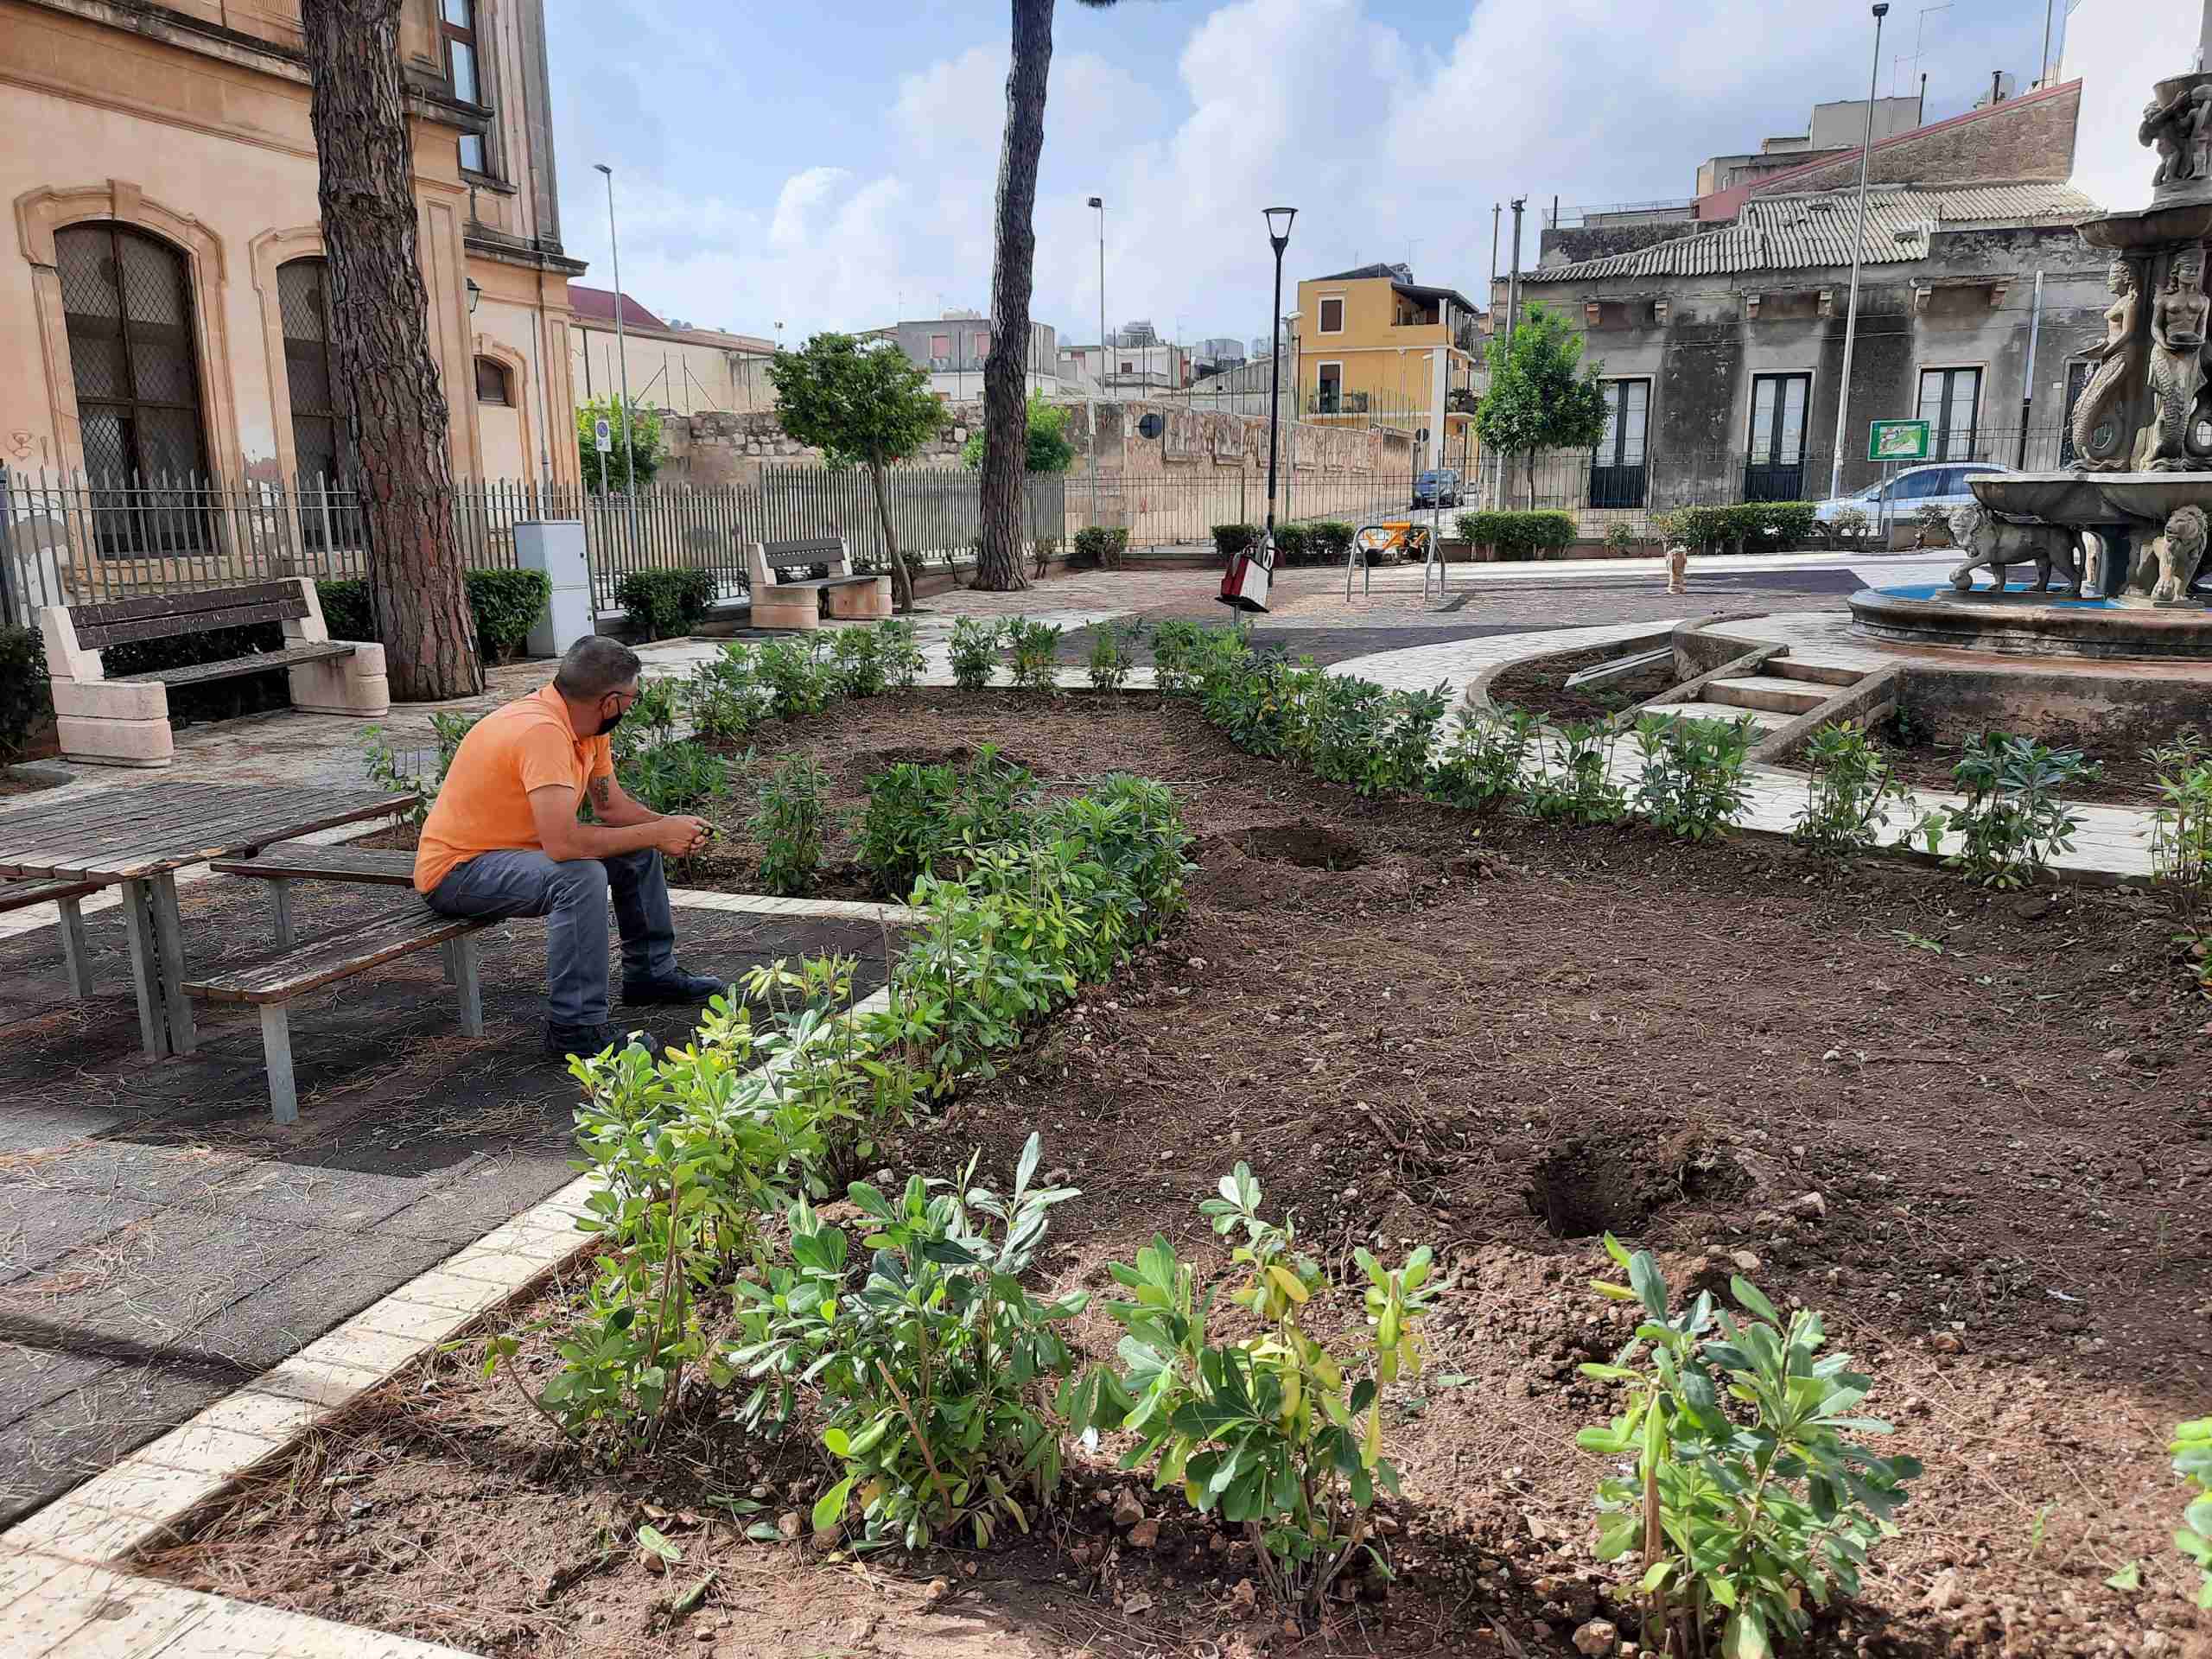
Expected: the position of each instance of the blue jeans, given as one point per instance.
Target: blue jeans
(573, 895)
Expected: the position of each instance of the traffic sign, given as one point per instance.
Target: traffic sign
(602, 432)
(1896, 440)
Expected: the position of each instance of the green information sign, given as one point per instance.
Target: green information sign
(1896, 440)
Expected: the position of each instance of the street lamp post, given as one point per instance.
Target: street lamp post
(622, 355)
(1244, 585)
(1857, 249)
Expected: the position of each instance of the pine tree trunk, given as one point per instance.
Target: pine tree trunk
(1006, 409)
(394, 406)
(902, 578)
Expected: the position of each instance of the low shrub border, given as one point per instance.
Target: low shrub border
(1514, 536)
(505, 605)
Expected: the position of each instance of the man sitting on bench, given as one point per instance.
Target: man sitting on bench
(503, 839)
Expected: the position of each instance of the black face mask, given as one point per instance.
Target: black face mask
(608, 722)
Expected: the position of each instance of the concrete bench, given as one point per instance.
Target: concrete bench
(273, 982)
(798, 603)
(67, 896)
(124, 720)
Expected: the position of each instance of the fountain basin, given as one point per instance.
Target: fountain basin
(2018, 623)
(2086, 500)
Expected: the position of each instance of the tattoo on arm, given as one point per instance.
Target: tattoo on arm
(601, 797)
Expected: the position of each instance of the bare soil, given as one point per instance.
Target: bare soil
(1986, 1161)
(1540, 686)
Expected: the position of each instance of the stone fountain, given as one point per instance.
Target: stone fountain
(2119, 539)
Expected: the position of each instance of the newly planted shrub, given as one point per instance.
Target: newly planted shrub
(899, 643)
(1175, 642)
(2012, 822)
(798, 681)
(665, 603)
(2181, 846)
(974, 651)
(936, 1368)
(684, 776)
(1576, 784)
(724, 697)
(1486, 759)
(2192, 1455)
(1113, 652)
(389, 768)
(1280, 1431)
(1033, 645)
(1695, 775)
(1338, 720)
(904, 828)
(856, 663)
(1850, 793)
(1753, 1502)
(793, 810)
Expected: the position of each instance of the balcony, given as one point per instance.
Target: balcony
(1327, 402)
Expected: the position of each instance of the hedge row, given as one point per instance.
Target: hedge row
(1319, 541)
(1097, 545)
(505, 604)
(666, 604)
(1755, 526)
(1517, 535)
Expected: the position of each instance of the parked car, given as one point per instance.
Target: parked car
(1437, 489)
(1939, 484)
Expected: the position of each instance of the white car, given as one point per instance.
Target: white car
(1939, 484)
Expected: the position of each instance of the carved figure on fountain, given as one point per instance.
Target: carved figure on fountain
(2178, 125)
(2176, 368)
(2102, 432)
(2180, 554)
(1991, 543)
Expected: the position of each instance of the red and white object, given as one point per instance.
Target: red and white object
(1244, 587)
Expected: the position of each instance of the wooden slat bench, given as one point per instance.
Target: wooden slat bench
(287, 862)
(798, 604)
(67, 896)
(273, 982)
(124, 720)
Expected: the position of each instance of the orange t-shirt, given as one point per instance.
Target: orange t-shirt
(483, 806)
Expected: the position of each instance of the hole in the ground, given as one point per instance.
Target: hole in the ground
(1593, 1186)
(1308, 845)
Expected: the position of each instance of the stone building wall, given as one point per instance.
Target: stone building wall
(2024, 138)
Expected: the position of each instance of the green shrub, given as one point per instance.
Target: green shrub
(974, 651)
(917, 814)
(1330, 540)
(1229, 540)
(1034, 647)
(389, 769)
(683, 776)
(2180, 846)
(2191, 1451)
(1696, 772)
(1518, 535)
(899, 645)
(1099, 545)
(1486, 760)
(793, 810)
(1749, 1514)
(1850, 793)
(1791, 524)
(1578, 785)
(1753, 526)
(1280, 1431)
(799, 683)
(1848, 527)
(1623, 537)
(1113, 652)
(1294, 544)
(935, 1366)
(857, 656)
(25, 702)
(665, 604)
(1176, 642)
(724, 697)
(2012, 821)
(506, 605)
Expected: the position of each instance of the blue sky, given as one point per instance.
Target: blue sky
(831, 166)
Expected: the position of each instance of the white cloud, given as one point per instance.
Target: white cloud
(1390, 146)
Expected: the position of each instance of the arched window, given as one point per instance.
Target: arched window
(492, 385)
(303, 305)
(127, 301)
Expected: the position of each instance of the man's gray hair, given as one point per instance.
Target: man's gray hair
(594, 666)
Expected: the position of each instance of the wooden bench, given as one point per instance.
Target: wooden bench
(67, 895)
(124, 720)
(799, 604)
(287, 862)
(272, 981)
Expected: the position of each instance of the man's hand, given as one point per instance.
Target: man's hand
(680, 837)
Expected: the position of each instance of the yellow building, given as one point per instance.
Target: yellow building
(1376, 347)
(162, 306)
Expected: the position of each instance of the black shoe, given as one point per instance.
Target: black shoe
(564, 1041)
(676, 990)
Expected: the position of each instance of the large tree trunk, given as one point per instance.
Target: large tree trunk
(394, 406)
(902, 578)
(1006, 407)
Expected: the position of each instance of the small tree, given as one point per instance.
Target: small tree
(1049, 449)
(862, 406)
(1537, 400)
(603, 473)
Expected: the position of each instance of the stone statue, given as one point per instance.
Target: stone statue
(2179, 130)
(1993, 543)
(2115, 357)
(1678, 564)
(2177, 367)
(2180, 552)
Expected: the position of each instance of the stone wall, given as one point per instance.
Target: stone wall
(2026, 137)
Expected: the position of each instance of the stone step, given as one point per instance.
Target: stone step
(1760, 717)
(1814, 670)
(1775, 696)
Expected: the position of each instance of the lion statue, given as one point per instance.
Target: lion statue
(2179, 552)
(1991, 543)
